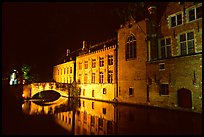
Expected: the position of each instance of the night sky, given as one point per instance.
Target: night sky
(38, 34)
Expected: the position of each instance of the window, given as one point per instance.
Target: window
(58, 71)
(161, 66)
(85, 78)
(176, 20)
(79, 78)
(101, 77)
(67, 70)
(104, 110)
(70, 78)
(86, 65)
(61, 71)
(101, 62)
(64, 70)
(104, 90)
(164, 89)
(92, 105)
(194, 13)
(85, 117)
(109, 128)
(100, 123)
(80, 66)
(83, 103)
(70, 70)
(92, 120)
(165, 48)
(131, 91)
(93, 63)
(110, 59)
(92, 93)
(131, 47)
(187, 43)
(110, 76)
(93, 78)
(84, 92)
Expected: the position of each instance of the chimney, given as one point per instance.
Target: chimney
(153, 32)
(84, 44)
(68, 51)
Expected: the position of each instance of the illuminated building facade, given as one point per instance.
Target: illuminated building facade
(155, 61)
(96, 71)
(64, 72)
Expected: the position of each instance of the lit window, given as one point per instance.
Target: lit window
(165, 48)
(100, 123)
(86, 65)
(83, 103)
(104, 110)
(70, 70)
(131, 91)
(92, 105)
(187, 43)
(93, 78)
(92, 120)
(101, 77)
(67, 70)
(93, 63)
(131, 47)
(79, 78)
(110, 76)
(164, 89)
(101, 62)
(84, 92)
(110, 59)
(85, 78)
(104, 90)
(92, 93)
(80, 65)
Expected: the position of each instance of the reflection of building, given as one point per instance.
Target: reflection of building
(94, 118)
(156, 60)
(102, 118)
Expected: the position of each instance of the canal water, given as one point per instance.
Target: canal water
(75, 116)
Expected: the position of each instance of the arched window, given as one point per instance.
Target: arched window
(131, 47)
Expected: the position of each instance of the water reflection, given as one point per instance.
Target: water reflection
(89, 117)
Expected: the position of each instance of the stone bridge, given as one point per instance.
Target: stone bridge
(31, 89)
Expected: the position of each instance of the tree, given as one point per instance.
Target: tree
(135, 10)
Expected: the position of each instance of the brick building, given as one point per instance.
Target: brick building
(174, 74)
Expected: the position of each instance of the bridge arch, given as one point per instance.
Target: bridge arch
(31, 89)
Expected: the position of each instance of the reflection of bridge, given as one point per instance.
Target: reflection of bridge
(30, 90)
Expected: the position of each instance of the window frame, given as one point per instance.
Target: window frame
(176, 19)
(194, 8)
(131, 92)
(166, 46)
(110, 59)
(186, 42)
(131, 47)
(166, 92)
